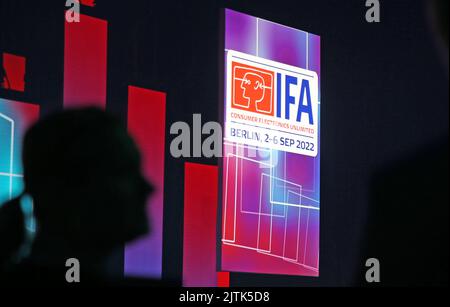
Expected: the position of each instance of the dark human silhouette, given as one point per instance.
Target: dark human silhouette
(82, 170)
(11, 231)
(408, 223)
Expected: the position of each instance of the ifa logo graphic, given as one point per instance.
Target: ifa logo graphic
(272, 89)
(271, 104)
(252, 89)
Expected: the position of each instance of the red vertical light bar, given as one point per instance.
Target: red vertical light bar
(200, 207)
(147, 123)
(85, 53)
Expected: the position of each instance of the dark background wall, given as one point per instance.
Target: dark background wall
(384, 94)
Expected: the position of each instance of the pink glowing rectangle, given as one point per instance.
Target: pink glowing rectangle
(14, 68)
(200, 213)
(147, 124)
(85, 62)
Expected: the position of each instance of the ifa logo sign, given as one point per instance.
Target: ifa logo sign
(271, 104)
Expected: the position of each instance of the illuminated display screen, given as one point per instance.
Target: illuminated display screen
(15, 118)
(270, 170)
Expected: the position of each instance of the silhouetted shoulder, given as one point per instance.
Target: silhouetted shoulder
(408, 230)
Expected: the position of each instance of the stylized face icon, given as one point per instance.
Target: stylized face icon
(253, 87)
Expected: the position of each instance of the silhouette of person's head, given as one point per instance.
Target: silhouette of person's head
(253, 86)
(82, 170)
